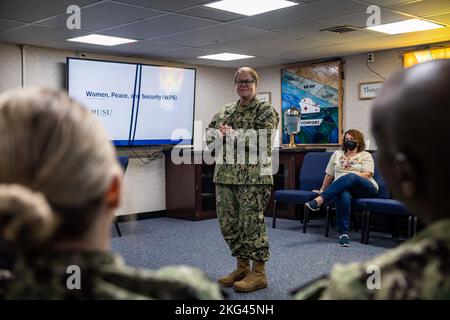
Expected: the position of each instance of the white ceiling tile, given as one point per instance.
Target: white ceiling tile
(277, 50)
(211, 34)
(37, 35)
(30, 11)
(425, 7)
(104, 15)
(187, 53)
(211, 13)
(8, 25)
(316, 11)
(144, 48)
(313, 31)
(159, 26)
(318, 53)
(254, 41)
(169, 5)
(441, 18)
(387, 3)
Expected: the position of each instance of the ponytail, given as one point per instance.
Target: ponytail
(26, 219)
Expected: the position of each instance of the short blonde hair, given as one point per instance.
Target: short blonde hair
(56, 164)
(252, 72)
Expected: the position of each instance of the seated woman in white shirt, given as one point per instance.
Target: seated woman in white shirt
(349, 175)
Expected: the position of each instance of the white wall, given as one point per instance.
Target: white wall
(10, 69)
(356, 112)
(144, 183)
(270, 81)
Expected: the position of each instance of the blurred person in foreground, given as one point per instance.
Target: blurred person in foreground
(60, 183)
(409, 122)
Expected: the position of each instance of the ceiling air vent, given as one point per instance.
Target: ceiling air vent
(340, 29)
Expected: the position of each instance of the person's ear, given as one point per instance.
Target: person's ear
(406, 176)
(114, 192)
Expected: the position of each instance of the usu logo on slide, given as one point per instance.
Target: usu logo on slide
(102, 112)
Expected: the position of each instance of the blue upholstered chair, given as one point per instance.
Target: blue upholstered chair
(311, 177)
(124, 162)
(382, 204)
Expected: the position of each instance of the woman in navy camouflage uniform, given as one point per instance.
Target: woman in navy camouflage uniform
(243, 188)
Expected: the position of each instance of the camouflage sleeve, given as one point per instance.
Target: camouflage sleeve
(211, 130)
(311, 290)
(6, 277)
(167, 283)
(344, 283)
(268, 119)
(203, 288)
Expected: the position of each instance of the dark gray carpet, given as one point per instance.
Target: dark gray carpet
(296, 258)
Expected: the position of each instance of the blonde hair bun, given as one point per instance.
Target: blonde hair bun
(26, 219)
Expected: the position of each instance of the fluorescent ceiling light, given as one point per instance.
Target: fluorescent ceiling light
(226, 56)
(101, 40)
(250, 7)
(405, 26)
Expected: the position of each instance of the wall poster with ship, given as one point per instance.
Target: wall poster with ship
(315, 90)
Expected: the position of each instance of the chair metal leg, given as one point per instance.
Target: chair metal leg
(368, 216)
(274, 214)
(118, 229)
(327, 227)
(332, 221)
(414, 228)
(355, 222)
(410, 227)
(305, 218)
(363, 226)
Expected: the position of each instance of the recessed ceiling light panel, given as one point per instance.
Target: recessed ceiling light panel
(226, 56)
(101, 40)
(250, 7)
(411, 25)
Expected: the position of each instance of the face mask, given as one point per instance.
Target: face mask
(350, 145)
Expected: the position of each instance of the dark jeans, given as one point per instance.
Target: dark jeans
(343, 190)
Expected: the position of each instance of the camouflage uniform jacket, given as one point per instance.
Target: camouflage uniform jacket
(417, 269)
(257, 115)
(103, 276)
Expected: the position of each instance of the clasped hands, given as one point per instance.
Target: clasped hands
(225, 129)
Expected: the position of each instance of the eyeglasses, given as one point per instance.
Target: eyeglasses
(247, 82)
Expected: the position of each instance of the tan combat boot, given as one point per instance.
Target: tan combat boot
(241, 271)
(255, 280)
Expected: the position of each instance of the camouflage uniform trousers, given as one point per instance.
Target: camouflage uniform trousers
(240, 209)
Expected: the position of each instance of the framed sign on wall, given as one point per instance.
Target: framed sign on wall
(369, 90)
(316, 91)
(264, 96)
